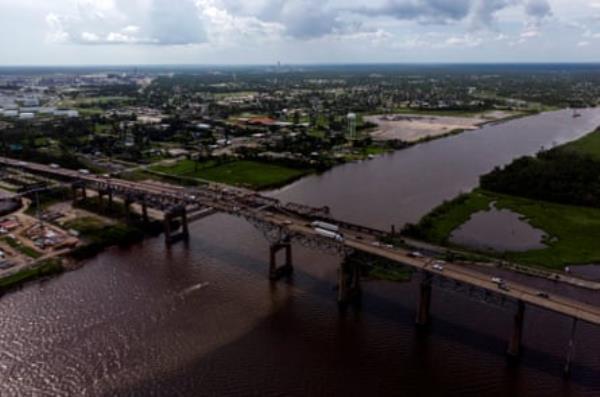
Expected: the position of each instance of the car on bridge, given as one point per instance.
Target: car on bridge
(416, 254)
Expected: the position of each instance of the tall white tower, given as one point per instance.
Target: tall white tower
(351, 132)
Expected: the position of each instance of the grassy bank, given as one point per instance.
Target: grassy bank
(589, 145)
(437, 226)
(397, 274)
(98, 236)
(573, 232)
(43, 269)
(377, 268)
(251, 174)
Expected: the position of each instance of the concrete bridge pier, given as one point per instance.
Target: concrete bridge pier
(348, 282)
(127, 206)
(79, 192)
(275, 272)
(101, 194)
(178, 213)
(145, 217)
(424, 307)
(570, 349)
(514, 345)
(110, 198)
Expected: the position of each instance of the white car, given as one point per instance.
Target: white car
(84, 171)
(54, 166)
(416, 254)
(497, 280)
(439, 267)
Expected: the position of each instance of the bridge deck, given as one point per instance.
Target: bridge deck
(242, 202)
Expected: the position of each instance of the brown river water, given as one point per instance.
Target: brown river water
(203, 319)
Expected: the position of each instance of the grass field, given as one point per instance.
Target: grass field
(573, 232)
(252, 174)
(588, 145)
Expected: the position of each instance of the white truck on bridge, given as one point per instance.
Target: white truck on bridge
(329, 234)
(325, 226)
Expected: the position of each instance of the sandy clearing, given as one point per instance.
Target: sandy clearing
(413, 127)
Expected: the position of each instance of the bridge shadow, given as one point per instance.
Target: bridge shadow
(285, 355)
(399, 311)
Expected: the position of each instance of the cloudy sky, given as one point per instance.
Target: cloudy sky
(50, 32)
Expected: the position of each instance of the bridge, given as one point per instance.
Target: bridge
(284, 224)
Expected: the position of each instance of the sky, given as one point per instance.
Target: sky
(136, 32)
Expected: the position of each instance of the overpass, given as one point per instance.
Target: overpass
(285, 223)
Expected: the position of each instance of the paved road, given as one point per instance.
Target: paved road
(235, 201)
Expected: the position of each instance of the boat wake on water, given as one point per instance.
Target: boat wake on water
(193, 288)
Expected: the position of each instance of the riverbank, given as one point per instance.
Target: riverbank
(98, 235)
(572, 232)
(416, 127)
(43, 269)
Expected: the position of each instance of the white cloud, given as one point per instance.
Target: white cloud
(159, 22)
(240, 31)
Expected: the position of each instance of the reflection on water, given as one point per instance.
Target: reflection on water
(203, 319)
(498, 230)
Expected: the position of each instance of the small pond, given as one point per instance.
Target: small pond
(498, 230)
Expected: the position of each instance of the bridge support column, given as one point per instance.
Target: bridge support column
(110, 199)
(145, 212)
(180, 213)
(348, 282)
(424, 307)
(514, 345)
(167, 228)
(78, 190)
(100, 198)
(570, 349)
(127, 203)
(275, 272)
(184, 222)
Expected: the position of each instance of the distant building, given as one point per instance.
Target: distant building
(178, 152)
(66, 113)
(31, 102)
(10, 113)
(26, 116)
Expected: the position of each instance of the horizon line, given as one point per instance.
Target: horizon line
(296, 64)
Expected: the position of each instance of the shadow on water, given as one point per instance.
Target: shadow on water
(344, 358)
(358, 376)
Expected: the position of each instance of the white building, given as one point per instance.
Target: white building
(10, 113)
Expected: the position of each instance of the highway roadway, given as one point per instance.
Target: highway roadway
(233, 200)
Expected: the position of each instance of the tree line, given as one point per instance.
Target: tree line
(557, 175)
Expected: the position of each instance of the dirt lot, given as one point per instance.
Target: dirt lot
(412, 127)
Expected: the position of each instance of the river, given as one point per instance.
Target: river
(203, 319)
